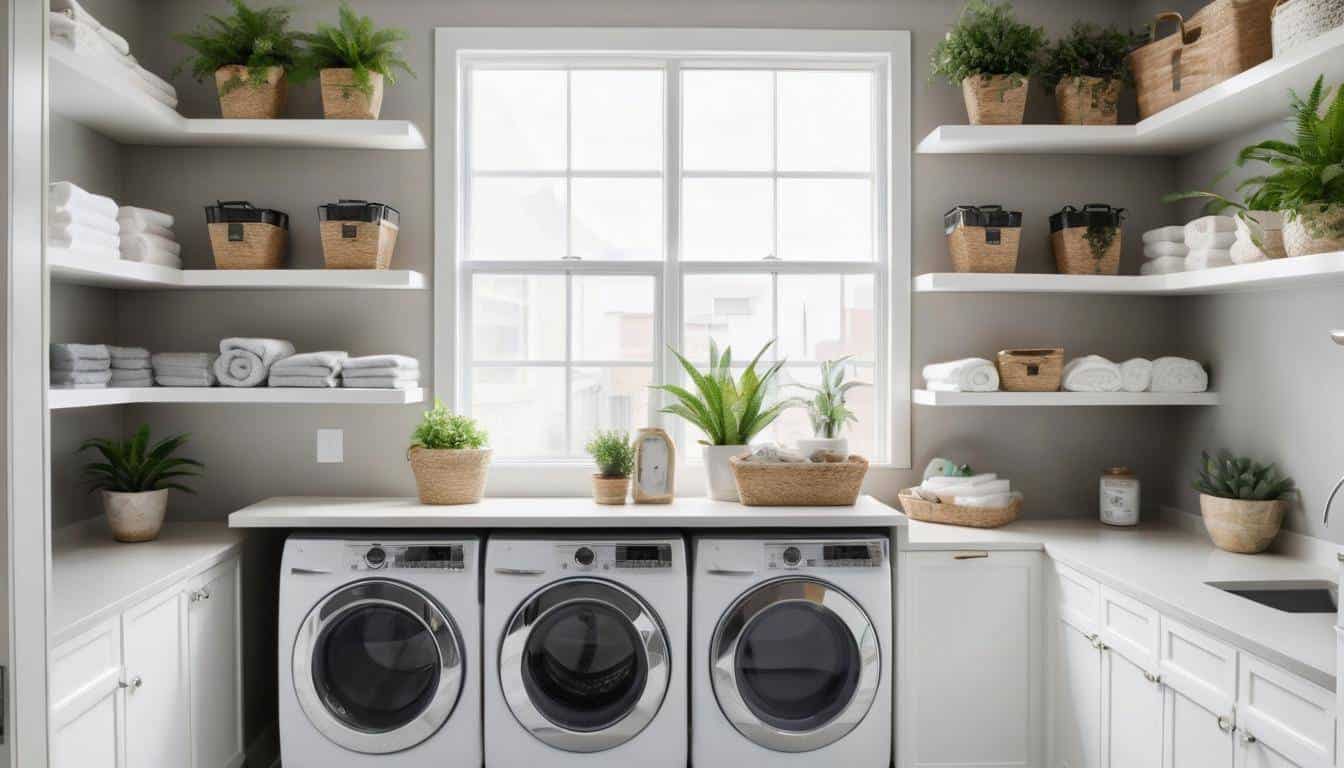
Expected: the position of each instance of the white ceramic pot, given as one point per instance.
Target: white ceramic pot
(718, 474)
(811, 445)
(135, 516)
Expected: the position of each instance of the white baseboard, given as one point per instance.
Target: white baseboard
(1290, 543)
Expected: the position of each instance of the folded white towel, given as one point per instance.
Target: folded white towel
(144, 216)
(379, 383)
(61, 219)
(99, 378)
(79, 357)
(1245, 252)
(133, 226)
(198, 379)
(948, 481)
(1177, 374)
(380, 374)
(1215, 240)
(1159, 250)
(972, 374)
(176, 370)
(73, 10)
(1207, 259)
(1172, 234)
(187, 360)
(127, 353)
(141, 243)
(311, 363)
(152, 256)
(131, 365)
(87, 41)
(1092, 373)
(124, 378)
(75, 385)
(1136, 375)
(1163, 266)
(294, 380)
(402, 362)
(245, 362)
(67, 197)
(79, 237)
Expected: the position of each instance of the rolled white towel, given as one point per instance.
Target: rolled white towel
(1136, 375)
(1177, 374)
(65, 196)
(1207, 259)
(145, 241)
(1216, 240)
(1162, 249)
(972, 374)
(60, 219)
(1164, 266)
(245, 362)
(131, 226)
(144, 215)
(1092, 373)
(1245, 252)
(1172, 234)
(80, 237)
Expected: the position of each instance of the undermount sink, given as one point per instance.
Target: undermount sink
(1302, 596)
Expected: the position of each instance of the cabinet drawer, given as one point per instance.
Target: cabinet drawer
(1202, 668)
(1288, 714)
(85, 660)
(1077, 597)
(1129, 627)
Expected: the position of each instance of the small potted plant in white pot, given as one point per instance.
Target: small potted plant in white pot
(134, 478)
(251, 55)
(614, 455)
(1241, 501)
(827, 409)
(990, 56)
(449, 457)
(353, 61)
(1087, 69)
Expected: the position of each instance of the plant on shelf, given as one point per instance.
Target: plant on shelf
(827, 409)
(614, 455)
(1087, 69)
(991, 56)
(134, 478)
(1242, 501)
(730, 412)
(449, 457)
(250, 54)
(354, 60)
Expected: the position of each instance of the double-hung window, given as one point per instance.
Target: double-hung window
(603, 195)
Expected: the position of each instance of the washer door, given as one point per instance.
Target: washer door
(795, 664)
(584, 665)
(378, 666)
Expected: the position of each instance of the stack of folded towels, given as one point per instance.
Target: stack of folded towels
(972, 374)
(1095, 373)
(80, 366)
(72, 26)
(985, 490)
(1210, 240)
(309, 369)
(381, 372)
(81, 222)
(1165, 250)
(147, 236)
(131, 367)
(246, 362)
(183, 369)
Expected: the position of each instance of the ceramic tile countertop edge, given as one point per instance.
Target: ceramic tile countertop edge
(1168, 566)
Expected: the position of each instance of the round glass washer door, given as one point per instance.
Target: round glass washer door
(584, 665)
(795, 664)
(378, 666)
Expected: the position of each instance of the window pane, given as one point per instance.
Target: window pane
(824, 317)
(731, 309)
(517, 120)
(617, 219)
(523, 408)
(608, 398)
(726, 219)
(613, 318)
(825, 121)
(793, 423)
(518, 317)
(617, 120)
(726, 120)
(825, 220)
(517, 219)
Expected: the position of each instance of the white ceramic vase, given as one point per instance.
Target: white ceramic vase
(135, 516)
(811, 445)
(718, 474)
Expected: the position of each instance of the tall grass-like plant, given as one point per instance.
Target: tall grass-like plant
(728, 411)
(356, 45)
(988, 40)
(252, 38)
(135, 466)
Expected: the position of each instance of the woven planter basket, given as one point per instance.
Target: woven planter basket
(247, 101)
(1297, 22)
(799, 485)
(951, 514)
(358, 244)
(1315, 229)
(342, 101)
(1088, 101)
(1030, 370)
(261, 247)
(610, 490)
(1075, 256)
(995, 99)
(445, 476)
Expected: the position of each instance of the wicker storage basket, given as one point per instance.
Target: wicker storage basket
(247, 101)
(1030, 370)
(1296, 22)
(951, 514)
(1088, 100)
(1087, 241)
(984, 238)
(799, 485)
(450, 476)
(1225, 38)
(244, 237)
(995, 99)
(357, 234)
(341, 100)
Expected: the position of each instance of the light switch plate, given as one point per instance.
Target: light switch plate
(330, 446)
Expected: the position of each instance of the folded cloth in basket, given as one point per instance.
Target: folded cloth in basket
(395, 362)
(297, 380)
(311, 364)
(963, 491)
(70, 198)
(94, 378)
(993, 501)
(122, 377)
(1207, 259)
(60, 219)
(80, 357)
(245, 362)
(1136, 375)
(1092, 373)
(1177, 374)
(1166, 265)
(143, 216)
(1172, 234)
(972, 374)
(951, 481)
(1158, 250)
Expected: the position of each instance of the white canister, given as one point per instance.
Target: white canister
(1119, 497)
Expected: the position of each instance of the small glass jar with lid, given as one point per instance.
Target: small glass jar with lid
(1119, 497)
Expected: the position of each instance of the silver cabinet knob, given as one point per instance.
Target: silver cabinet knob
(200, 594)
(134, 684)
(1150, 677)
(1248, 738)
(1224, 723)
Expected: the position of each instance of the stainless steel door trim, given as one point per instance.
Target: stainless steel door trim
(397, 596)
(653, 647)
(723, 662)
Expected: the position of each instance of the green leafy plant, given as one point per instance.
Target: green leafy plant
(1230, 477)
(1088, 51)
(441, 429)
(256, 39)
(728, 412)
(355, 44)
(613, 452)
(988, 40)
(135, 466)
(826, 408)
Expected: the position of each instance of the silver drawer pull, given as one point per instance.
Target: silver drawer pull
(309, 571)
(970, 555)
(731, 571)
(520, 571)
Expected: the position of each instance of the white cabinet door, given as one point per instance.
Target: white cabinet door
(973, 661)
(154, 653)
(86, 710)
(1253, 753)
(1282, 720)
(88, 738)
(1076, 698)
(1193, 735)
(215, 664)
(1131, 732)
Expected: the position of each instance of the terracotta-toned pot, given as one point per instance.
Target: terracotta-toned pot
(1314, 229)
(135, 516)
(341, 100)
(1241, 526)
(1088, 100)
(610, 490)
(995, 99)
(722, 486)
(447, 476)
(248, 101)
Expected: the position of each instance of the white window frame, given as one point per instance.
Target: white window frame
(886, 52)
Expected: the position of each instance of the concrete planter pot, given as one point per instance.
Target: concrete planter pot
(342, 101)
(1315, 229)
(1241, 526)
(720, 483)
(610, 490)
(995, 99)
(135, 517)
(248, 101)
(447, 476)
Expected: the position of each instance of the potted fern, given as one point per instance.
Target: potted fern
(1241, 501)
(449, 457)
(1087, 69)
(354, 60)
(730, 412)
(614, 455)
(249, 55)
(134, 478)
(827, 410)
(990, 55)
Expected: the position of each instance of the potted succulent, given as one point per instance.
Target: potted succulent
(615, 457)
(354, 60)
(729, 412)
(134, 478)
(991, 56)
(449, 457)
(1242, 502)
(827, 410)
(250, 54)
(1087, 69)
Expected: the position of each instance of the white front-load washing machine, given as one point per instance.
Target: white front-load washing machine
(379, 650)
(791, 652)
(585, 652)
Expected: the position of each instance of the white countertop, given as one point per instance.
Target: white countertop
(1167, 567)
(696, 512)
(95, 577)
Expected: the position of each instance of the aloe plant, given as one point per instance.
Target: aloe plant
(135, 466)
(1231, 477)
(826, 409)
(728, 412)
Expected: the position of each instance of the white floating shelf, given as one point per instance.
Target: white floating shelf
(100, 95)
(1228, 109)
(88, 398)
(66, 267)
(1032, 399)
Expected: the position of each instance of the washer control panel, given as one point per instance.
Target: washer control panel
(373, 556)
(609, 556)
(787, 556)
